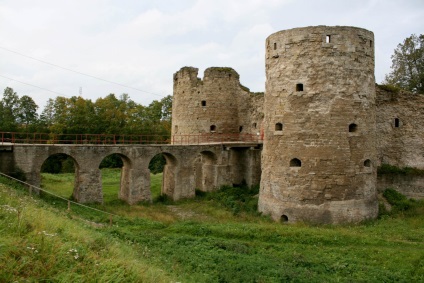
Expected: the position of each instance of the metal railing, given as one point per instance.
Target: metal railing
(110, 139)
(210, 138)
(99, 139)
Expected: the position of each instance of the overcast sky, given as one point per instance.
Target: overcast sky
(141, 44)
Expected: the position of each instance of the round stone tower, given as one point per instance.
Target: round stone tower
(319, 155)
(208, 109)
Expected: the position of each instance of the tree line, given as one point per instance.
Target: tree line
(76, 115)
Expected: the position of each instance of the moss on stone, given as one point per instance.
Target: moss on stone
(244, 88)
(389, 88)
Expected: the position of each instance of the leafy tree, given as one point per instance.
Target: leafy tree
(81, 116)
(9, 110)
(47, 116)
(27, 112)
(408, 65)
(61, 115)
(110, 114)
(166, 108)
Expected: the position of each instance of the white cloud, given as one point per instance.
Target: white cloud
(142, 43)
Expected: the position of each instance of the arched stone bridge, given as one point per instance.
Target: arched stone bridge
(188, 167)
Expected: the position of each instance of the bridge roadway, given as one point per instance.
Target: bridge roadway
(188, 167)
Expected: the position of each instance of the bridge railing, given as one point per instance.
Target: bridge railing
(49, 138)
(208, 138)
(110, 139)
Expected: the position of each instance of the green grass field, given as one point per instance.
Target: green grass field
(63, 184)
(217, 237)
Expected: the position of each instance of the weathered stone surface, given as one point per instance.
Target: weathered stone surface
(215, 106)
(400, 128)
(410, 186)
(209, 166)
(319, 156)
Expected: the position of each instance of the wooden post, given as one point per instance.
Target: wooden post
(110, 220)
(69, 205)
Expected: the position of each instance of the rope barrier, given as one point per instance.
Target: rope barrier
(31, 187)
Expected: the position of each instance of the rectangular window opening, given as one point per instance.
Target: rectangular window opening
(327, 38)
(275, 45)
(397, 122)
(299, 87)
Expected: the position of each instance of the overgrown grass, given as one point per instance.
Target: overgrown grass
(237, 199)
(40, 243)
(400, 204)
(390, 88)
(63, 184)
(212, 238)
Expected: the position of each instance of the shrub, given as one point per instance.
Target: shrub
(400, 203)
(391, 169)
(237, 199)
(390, 88)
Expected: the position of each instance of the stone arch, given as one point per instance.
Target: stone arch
(295, 162)
(205, 168)
(61, 156)
(124, 191)
(367, 163)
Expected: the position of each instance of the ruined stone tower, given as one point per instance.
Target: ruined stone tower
(319, 155)
(216, 107)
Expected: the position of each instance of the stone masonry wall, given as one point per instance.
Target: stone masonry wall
(319, 155)
(400, 128)
(215, 106)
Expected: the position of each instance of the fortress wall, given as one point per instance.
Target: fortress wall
(400, 128)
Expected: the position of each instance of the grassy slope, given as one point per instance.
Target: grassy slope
(38, 242)
(202, 241)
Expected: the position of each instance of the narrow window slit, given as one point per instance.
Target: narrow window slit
(353, 128)
(397, 122)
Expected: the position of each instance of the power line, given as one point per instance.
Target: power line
(34, 86)
(80, 73)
